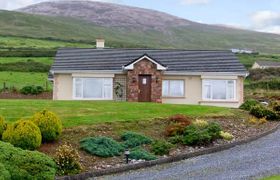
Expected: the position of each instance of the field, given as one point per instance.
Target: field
(76, 113)
(45, 60)
(248, 60)
(20, 79)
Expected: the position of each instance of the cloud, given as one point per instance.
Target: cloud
(266, 21)
(194, 2)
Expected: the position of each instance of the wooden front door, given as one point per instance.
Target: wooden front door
(144, 94)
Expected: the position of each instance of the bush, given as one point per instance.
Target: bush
(3, 126)
(161, 147)
(23, 134)
(67, 160)
(200, 123)
(226, 136)
(276, 107)
(29, 66)
(23, 164)
(176, 139)
(50, 125)
(32, 90)
(101, 146)
(179, 118)
(174, 129)
(267, 84)
(247, 105)
(132, 139)
(139, 153)
(261, 112)
(194, 135)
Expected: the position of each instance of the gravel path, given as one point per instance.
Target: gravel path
(257, 159)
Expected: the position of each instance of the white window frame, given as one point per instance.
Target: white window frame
(208, 83)
(83, 78)
(171, 96)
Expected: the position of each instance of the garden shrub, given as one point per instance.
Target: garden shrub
(101, 146)
(4, 173)
(262, 121)
(195, 136)
(247, 105)
(132, 139)
(200, 123)
(161, 147)
(265, 84)
(3, 126)
(174, 129)
(261, 111)
(50, 125)
(178, 139)
(139, 153)
(24, 134)
(276, 107)
(67, 160)
(226, 136)
(24, 164)
(179, 118)
(32, 90)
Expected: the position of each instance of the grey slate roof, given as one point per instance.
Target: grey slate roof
(268, 63)
(78, 59)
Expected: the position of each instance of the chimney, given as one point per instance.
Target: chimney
(100, 43)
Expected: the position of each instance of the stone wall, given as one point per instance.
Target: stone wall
(144, 67)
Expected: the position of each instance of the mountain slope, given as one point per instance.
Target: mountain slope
(155, 30)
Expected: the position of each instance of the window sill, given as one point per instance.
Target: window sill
(219, 101)
(173, 97)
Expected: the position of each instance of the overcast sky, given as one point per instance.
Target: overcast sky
(260, 15)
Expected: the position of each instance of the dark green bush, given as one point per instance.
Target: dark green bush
(132, 139)
(247, 105)
(261, 112)
(24, 164)
(139, 153)
(262, 74)
(195, 136)
(214, 130)
(176, 139)
(50, 125)
(33, 90)
(68, 160)
(24, 134)
(101, 146)
(28, 53)
(266, 84)
(29, 66)
(161, 147)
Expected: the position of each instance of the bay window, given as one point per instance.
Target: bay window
(173, 88)
(93, 88)
(219, 89)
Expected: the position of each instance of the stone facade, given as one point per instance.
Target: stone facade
(144, 67)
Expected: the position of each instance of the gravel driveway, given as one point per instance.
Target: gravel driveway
(250, 161)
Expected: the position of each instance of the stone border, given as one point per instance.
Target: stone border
(165, 160)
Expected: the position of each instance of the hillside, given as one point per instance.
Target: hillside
(158, 30)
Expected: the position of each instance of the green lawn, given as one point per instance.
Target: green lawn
(20, 79)
(272, 178)
(45, 60)
(75, 113)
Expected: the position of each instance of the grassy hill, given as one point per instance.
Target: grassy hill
(196, 36)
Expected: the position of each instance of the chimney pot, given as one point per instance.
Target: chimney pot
(100, 43)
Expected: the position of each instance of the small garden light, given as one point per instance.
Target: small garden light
(126, 153)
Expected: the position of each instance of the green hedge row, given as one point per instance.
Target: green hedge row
(28, 53)
(271, 85)
(29, 66)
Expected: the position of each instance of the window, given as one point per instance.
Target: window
(219, 89)
(173, 88)
(93, 88)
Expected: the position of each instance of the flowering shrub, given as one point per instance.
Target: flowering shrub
(67, 160)
(24, 134)
(50, 125)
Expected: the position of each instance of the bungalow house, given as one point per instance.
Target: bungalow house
(149, 75)
(265, 64)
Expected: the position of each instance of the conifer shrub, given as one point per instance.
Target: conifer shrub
(24, 164)
(101, 146)
(3, 126)
(50, 125)
(139, 153)
(24, 134)
(247, 105)
(132, 139)
(161, 147)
